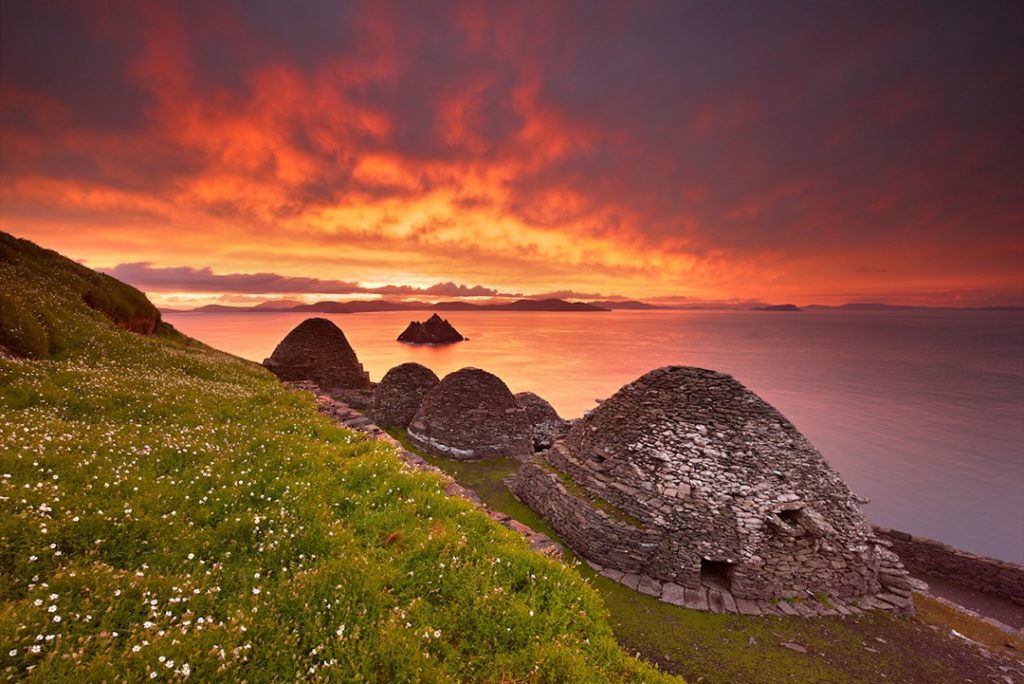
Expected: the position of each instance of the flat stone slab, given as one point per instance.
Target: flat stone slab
(802, 609)
(696, 599)
(649, 585)
(747, 607)
(613, 574)
(630, 580)
(673, 593)
(786, 608)
(716, 602)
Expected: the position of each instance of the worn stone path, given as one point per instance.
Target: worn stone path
(348, 417)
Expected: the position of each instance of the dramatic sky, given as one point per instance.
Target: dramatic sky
(776, 151)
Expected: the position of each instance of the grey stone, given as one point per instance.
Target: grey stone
(696, 599)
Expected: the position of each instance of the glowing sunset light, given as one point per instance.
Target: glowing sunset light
(666, 151)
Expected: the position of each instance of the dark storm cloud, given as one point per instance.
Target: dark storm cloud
(722, 130)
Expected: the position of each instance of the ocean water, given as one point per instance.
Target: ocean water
(922, 412)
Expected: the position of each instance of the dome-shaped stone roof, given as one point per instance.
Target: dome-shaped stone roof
(704, 478)
(471, 414)
(399, 394)
(545, 424)
(317, 350)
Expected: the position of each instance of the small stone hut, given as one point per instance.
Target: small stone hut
(471, 414)
(317, 350)
(399, 394)
(688, 478)
(545, 424)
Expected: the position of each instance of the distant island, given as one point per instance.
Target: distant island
(434, 330)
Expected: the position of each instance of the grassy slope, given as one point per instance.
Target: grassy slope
(875, 647)
(169, 511)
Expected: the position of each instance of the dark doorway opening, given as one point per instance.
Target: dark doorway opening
(790, 516)
(717, 574)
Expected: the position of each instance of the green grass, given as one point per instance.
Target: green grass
(171, 512)
(705, 647)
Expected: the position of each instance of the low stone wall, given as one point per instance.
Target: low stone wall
(926, 556)
(588, 530)
(344, 415)
(622, 552)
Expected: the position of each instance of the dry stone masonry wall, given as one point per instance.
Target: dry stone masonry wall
(545, 424)
(399, 394)
(471, 414)
(930, 557)
(687, 481)
(317, 351)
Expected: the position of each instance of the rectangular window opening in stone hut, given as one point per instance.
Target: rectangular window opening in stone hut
(717, 574)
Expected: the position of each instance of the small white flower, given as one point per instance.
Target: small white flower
(56, 618)
(13, 652)
(256, 591)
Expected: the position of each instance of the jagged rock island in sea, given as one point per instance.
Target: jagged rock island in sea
(686, 485)
(398, 395)
(545, 424)
(317, 351)
(434, 330)
(471, 414)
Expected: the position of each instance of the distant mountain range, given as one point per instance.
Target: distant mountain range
(365, 306)
(777, 307)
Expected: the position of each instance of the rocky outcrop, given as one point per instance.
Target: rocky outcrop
(317, 351)
(545, 424)
(471, 414)
(687, 477)
(399, 394)
(435, 330)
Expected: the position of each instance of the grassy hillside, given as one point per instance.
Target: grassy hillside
(170, 512)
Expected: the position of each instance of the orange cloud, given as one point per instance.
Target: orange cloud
(526, 147)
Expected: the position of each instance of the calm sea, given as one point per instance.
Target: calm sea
(921, 412)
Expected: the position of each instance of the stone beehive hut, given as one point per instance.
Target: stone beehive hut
(471, 414)
(687, 477)
(545, 424)
(398, 395)
(317, 351)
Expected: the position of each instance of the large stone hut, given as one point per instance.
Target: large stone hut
(686, 479)
(398, 395)
(471, 414)
(317, 351)
(545, 424)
